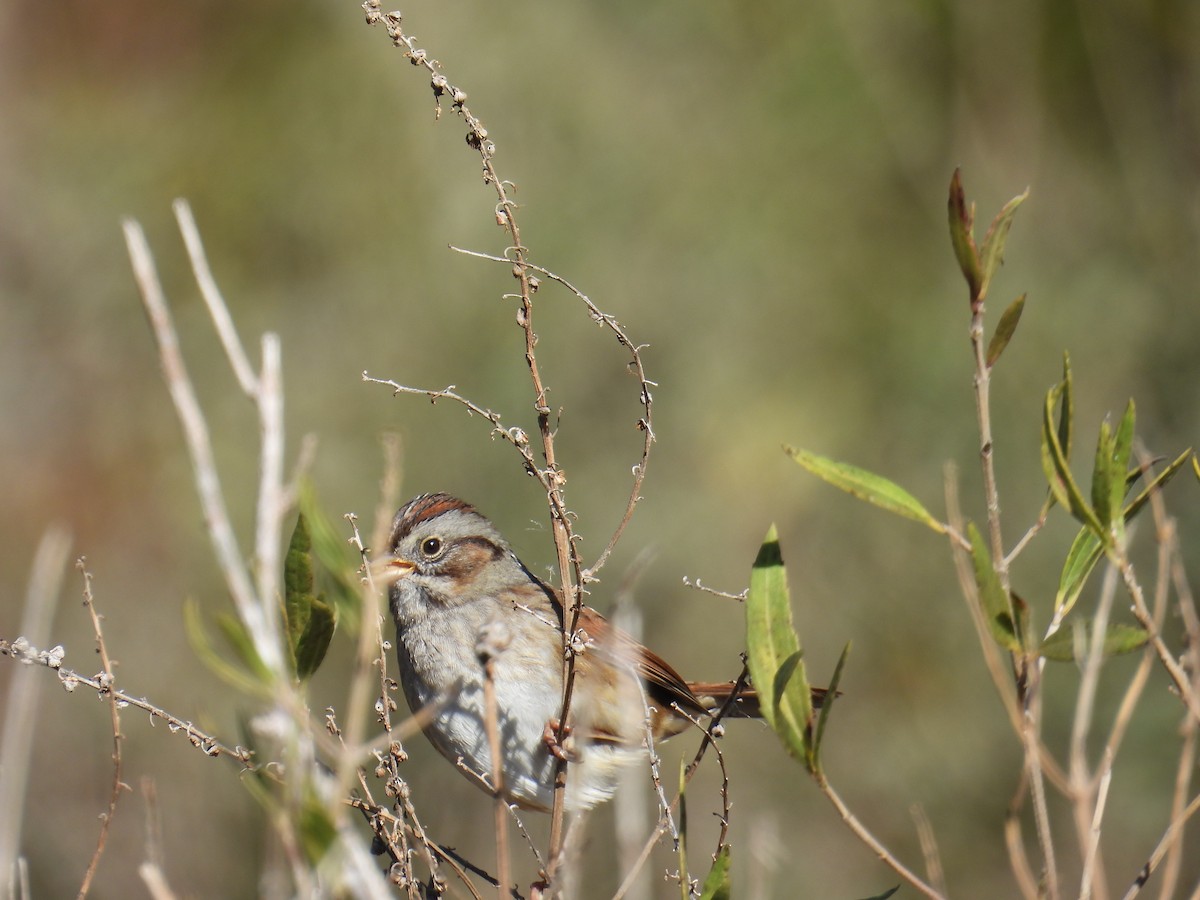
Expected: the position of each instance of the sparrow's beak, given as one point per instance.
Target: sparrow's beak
(391, 569)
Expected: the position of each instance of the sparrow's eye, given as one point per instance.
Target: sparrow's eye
(431, 547)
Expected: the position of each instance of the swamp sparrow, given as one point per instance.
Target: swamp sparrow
(458, 593)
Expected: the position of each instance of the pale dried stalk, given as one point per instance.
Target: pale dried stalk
(21, 707)
(260, 620)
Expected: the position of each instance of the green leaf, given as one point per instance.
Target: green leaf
(254, 681)
(1157, 484)
(716, 885)
(1066, 416)
(1055, 466)
(1072, 644)
(773, 653)
(962, 226)
(831, 694)
(992, 254)
(317, 831)
(338, 559)
(240, 642)
(1085, 552)
(997, 608)
(310, 620)
(310, 647)
(1104, 473)
(866, 486)
(1122, 453)
(1196, 467)
(1005, 329)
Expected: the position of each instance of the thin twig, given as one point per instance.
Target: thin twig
(696, 585)
(876, 846)
(1169, 838)
(487, 649)
(217, 309)
(107, 680)
(21, 650)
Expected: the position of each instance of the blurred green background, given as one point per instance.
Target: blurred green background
(756, 191)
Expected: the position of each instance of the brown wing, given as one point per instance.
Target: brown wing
(664, 685)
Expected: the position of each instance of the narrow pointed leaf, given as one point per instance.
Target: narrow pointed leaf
(1196, 467)
(962, 224)
(1066, 415)
(312, 644)
(991, 256)
(1005, 329)
(298, 583)
(1104, 473)
(773, 652)
(866, 486)
(885, 894)
(1072, 644)
(249, 682)
(1057, 471)
(1122, 452)
(717, 885)
(337, 559)
(242, 644)
(317, 831)
(1160, 481)
(831, 694)
(1085, 552)
(1086, 549)
(997, 608)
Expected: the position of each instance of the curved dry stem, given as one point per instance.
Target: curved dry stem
(864, 835)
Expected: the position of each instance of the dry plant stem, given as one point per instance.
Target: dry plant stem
(1093, 873)
(696, 585)
(929, 848)
(1183, 779)
(107, 679)
(1030, 726)
(1168, 537)
(986, 448)
(259, 622)
(1168, 840)
(871, 841)
(569, 566)
(21, 708)
(1140, 611)
(1085, 804)
(644, 424)
(71, 679)
(1015, 844)
(267, 393)
(370, 654)
(217, 310)
(1001, 675)
(1031, 742)
(500, 807)
(1025, 721)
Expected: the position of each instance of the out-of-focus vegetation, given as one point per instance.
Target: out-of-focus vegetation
(756, 191)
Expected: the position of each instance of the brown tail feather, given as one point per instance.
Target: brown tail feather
(713, 695)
